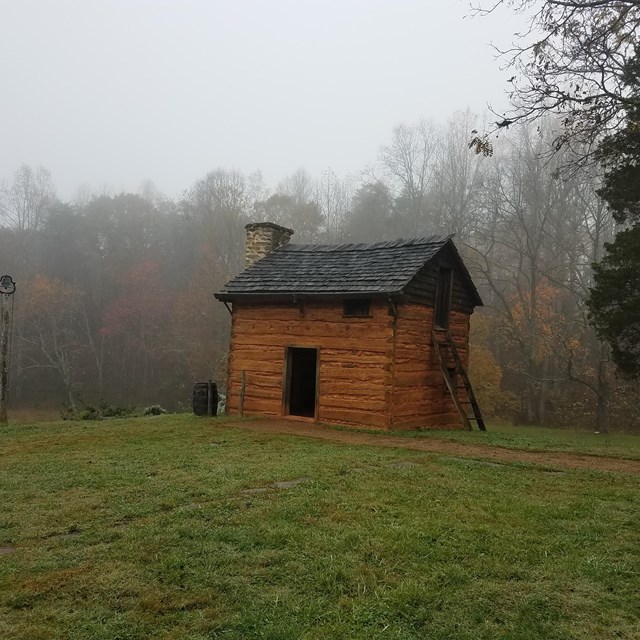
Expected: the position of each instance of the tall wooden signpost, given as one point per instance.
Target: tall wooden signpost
(7, 288)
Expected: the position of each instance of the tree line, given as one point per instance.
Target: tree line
(115, 291)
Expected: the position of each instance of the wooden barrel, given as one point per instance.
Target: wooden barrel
(201, 402)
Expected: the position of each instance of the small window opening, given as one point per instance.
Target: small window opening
(356, 307)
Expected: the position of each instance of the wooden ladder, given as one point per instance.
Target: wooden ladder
(443, 341)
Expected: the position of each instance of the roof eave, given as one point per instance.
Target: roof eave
(226, 296)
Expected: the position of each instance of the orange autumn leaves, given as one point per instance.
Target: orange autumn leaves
(544, 320)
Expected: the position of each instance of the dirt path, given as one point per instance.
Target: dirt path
(485, 452)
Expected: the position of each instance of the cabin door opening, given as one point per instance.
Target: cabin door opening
(302, 378)
(443, 297)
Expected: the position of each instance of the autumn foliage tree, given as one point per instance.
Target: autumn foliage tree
(47, 328)
(121, 308)
(135, 325)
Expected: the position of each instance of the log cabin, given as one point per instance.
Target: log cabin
(373, 335)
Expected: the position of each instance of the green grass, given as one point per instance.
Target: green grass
(615, 445)
(150, 528)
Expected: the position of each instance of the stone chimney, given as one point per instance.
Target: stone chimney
(262, 239)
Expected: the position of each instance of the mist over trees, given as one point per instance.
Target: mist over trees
(115, 291)
(577, 65)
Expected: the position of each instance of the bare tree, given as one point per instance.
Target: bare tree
(570, 63)
(334, 196)
(294, 205)
(458, 180)
(220, 204)
(25, 203)
(408, 168)
(513, 254)
(46, 330)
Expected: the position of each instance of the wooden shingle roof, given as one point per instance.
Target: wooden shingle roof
(384, 268)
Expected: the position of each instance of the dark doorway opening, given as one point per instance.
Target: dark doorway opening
(443, 297)
(302, 368)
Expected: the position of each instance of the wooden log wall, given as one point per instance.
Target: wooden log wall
(422, 289)
(355, 359)
(420, 398)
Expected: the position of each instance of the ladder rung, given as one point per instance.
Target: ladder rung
(468, 400)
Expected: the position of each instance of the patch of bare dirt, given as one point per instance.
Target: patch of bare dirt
(456, 449)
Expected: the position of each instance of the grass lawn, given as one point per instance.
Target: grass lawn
(171, 527)
(615, 445)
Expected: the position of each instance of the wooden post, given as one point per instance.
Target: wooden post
(244, 384)
(210, 398)
(4, 358)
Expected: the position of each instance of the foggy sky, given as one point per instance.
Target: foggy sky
(110, 93)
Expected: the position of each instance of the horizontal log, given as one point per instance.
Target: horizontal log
(316, 310)
(253, 382)
(265, 366)
(255, 406)
(357, 377)
(421, 407)
(342, 379)
(250, 352)
(353, 356)
(258, 390)
(418, 379)
(407, 365)
(412, 330)
(422, 289)
(353, 417)
(413, 334)
(414, 312)
(345, 370)
(367, 388)
(422, 285)
(324, 328)
(335, 401)
(414, 410)
(328, 310)
(260, 312)
(263, 405)
(369, 344)
(272, 359)
(415, 352)
(261, 413)
(403, 379)
(262, 393)
(405, 355)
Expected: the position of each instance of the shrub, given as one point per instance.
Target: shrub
(92, 411)
(154, 410)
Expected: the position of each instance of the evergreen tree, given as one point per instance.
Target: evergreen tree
(615, 298)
